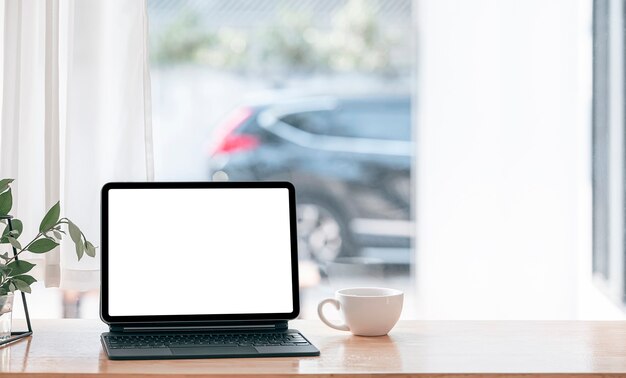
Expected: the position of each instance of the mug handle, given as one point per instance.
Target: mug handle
(334, 302)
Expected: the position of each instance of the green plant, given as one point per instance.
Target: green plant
(288, 43)
(183, 40)
(12, 271)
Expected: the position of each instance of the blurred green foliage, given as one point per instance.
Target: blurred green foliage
(353, 41)
(356, 40)
(290, 44)
(182, 41)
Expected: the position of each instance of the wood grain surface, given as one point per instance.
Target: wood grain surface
(71, 348)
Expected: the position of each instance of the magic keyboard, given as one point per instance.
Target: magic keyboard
(147, 341)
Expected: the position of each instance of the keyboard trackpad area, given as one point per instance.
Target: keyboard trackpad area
(214, 351)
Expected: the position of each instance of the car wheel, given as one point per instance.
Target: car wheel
(322, 233)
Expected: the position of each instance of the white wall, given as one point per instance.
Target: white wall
(503, 131)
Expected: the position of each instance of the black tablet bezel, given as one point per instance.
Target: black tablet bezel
(196, 319)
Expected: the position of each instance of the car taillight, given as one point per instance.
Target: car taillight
(236, 143)
(227, 140)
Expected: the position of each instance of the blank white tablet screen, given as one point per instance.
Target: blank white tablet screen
(199, 251)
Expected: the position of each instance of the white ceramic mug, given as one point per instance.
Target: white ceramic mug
(368, 311)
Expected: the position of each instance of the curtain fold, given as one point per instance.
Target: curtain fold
(10, 88)
(52, 135)
(75, 114)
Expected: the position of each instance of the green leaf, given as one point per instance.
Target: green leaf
(5, 257)
(76, 236)
(3, 291)
(5, 233)
(17, 226)
(80, 250)
(20, 267)
(90, 250)
(57, 234)
(21, 285)
(16, 244)
(74, 232)
(6, 202)
(42, 245)
(26, 278)
(51, 218)
(4, 184)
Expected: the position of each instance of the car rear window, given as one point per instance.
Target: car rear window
(315, 122)
(388, 121)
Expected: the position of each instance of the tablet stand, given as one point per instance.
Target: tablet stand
(15, 336)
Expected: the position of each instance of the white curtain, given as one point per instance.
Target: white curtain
(75, 114)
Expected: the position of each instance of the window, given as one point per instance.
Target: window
(358, 119)
(471, 153)
(609, 217)
(314, 122)
(326, 69)
(600, 138)
(371, 120)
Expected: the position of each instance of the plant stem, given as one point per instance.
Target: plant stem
(67, 221)
(60, 221)
(24, 248)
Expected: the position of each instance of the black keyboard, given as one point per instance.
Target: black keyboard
(177, 340)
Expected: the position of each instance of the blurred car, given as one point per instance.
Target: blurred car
(349, 158)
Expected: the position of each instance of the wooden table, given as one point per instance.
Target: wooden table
(71, 348)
